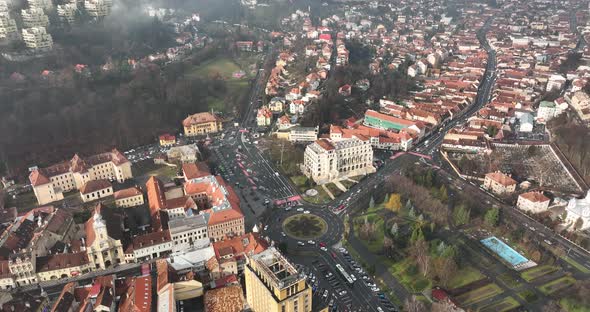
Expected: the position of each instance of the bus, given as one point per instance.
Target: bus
(344, 274)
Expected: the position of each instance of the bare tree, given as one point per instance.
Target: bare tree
(412, 304)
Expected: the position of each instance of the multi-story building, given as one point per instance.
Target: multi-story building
(499, 183)
(264, 117)
(50, 183)
(534, 202)
(201, 123)
(149, 246)
(103, 241)
(34, 17)
(129, 197)
(67, 12)
(6, 278)
(386, 122)
(37, 38)
(98, 8)
(7, 26)
(580, 101)
(56, 266)
(303, 134)
(96, 189)
(222, 206)
(274, 285)
(22, 266)
(188, 232)
(167, 140)
(328, 160)
(42, 4)
(232, 254)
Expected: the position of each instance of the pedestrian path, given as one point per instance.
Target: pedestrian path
(340, 186)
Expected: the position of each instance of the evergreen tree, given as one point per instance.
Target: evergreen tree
(394, 229)
(492, 217)
(371, 203)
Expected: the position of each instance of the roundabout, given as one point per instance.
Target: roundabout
(305, 226)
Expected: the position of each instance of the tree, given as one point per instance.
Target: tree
(579, 223)
(394, 203)
(371, 203)
(492, 131)
(387, 245)
(409, 204)
(429, 178)
(492, 217)
(417, 234)
(419, 252)
(412, 304)
(412, 213)
(461, 215)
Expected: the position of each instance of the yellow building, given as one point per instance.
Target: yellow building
(50, 183)
(274, 285)
(201, 123)
(167, 140)
(52, 267)
(103, 246)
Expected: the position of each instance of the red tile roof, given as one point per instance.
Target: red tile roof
(139, 295)
(95, 185)
(536, 197)
(194, 171)
(199, 118)
(501, 178)
(128, 192)
(225, 299)
(325, 144)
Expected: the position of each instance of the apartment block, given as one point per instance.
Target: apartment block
(50, 183)
(37, 38)
(274, 285)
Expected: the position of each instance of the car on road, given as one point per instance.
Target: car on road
(300, 209)
(322, 244)
(266, 227)
(301, 243)
(323, 249)
(343, 293)
(329, 274)
(288, 208)
(306, 212)
(311, 242)
(325, 295)
(283, 234)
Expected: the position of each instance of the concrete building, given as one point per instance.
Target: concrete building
(183, 154)
(303, 134)
(328, 160)
(150, 246)
(526, 122)
(534, 202)
(167, 140)
(129, 197)
(37, 38)
(96, 189)
(499, 183)
(67, 12)
(50, 183)
(274, 285)
(201, 123)
(34, 17)
(555, 83)
(264, 117)
(103, 241)
(42, 4)
(7, 26)
(98, 8)
(580, 101)
(188, 233)
(578, 213)
(386, 122)
(547, 111)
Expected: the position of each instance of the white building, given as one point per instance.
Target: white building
(152, 245)
(96, 189)
(37, 38)
(580, 101)
(98, 8)
(189, 232)
(67, 12)
(555, 83)
(42, 4)
(328, 160)
(34, 17)
(303, 134)
(534, 202)
(129, 197)
(7, 26)
(547, 111)
(578, 210)
(526, 122)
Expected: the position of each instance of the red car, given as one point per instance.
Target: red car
(322, 244)
(333, 255)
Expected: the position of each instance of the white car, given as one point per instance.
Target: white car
(301, 243)
(323, 248)
(300, 209)
(283, 234)
(306, 212)
(311, 242)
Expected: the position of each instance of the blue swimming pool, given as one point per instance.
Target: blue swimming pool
(504, 251)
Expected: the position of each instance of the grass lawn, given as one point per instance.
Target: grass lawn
(408, 275)
(571, 305)
(558, 284)
(538, 271)
(333, 189)
(528, 296)
(321, 198)
(300, 181)
(347, 184)
(479, 294)
(304, 227)
(375, 246)
(464, 277)
(148, 168)
(224, 67)
(509, 281)
(505, 304)
(23, 202)
(575, 264)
